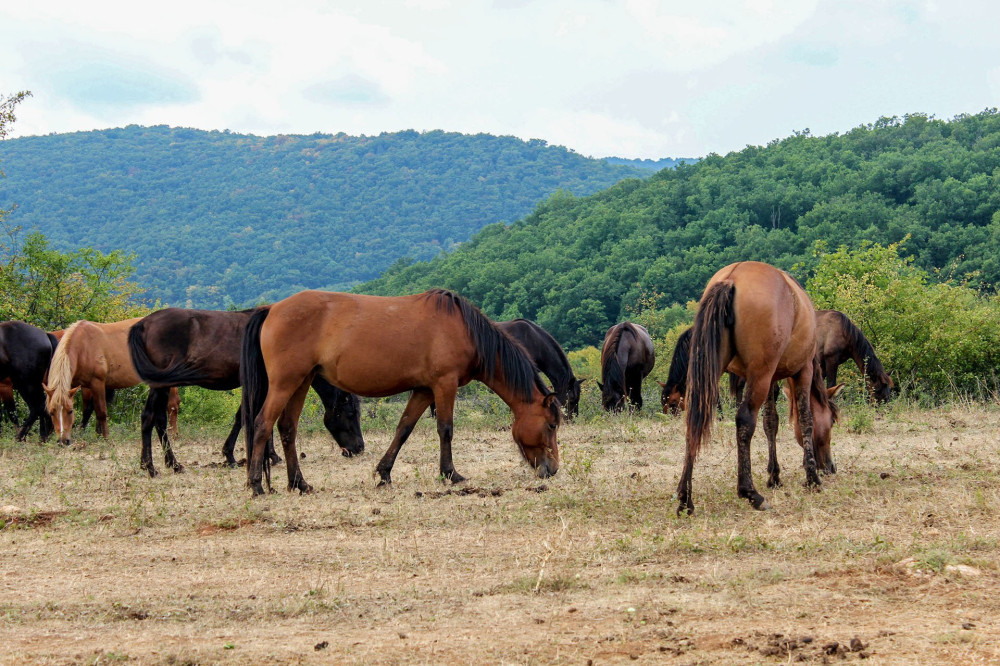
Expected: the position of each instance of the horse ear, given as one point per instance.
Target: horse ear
(834, 391)
(47, 389)
(73, 391)
(550, 400)
(600, 386)
(662, 385)
(580, 382)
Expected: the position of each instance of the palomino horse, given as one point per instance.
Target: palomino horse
(549, 358)
(755, 321)
(179, 347)
(94, 357)
(25, 352)
(840, 339)
(430, 344)
(626, 358)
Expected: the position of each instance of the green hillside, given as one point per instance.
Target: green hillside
(216, 218)
(577, 265)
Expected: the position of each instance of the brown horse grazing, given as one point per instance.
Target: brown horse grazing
(430, 344)
(839, 339)
(757, 322)
(626, 358)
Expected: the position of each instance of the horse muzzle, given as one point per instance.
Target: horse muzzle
(546, 468)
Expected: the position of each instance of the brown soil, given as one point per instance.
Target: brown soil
(99, 564)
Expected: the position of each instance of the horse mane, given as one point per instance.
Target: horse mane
(859, 343)
(493, 345)
(61, 368)
(677, 375)
(819, 391)
(554, 347)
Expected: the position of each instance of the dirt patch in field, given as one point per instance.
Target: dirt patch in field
(894, 561)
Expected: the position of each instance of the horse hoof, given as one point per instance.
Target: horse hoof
(454, 477)
(685, 510)
(257, 490)
(178, 469)
(305, 489)
(276, 461)
(758, 502)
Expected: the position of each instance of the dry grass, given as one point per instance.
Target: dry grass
(99, 564)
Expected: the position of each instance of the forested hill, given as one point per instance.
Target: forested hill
(577, 265)
(216, 218)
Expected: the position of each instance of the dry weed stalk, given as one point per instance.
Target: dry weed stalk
(549, 551)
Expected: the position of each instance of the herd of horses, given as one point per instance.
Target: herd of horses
(754, 322)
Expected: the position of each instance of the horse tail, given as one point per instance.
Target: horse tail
(53, 342)
(253, 376)
(714, 318)
(180, 373)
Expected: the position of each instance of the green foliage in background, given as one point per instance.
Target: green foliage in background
(578, 265)
(934, 334)
(216, 219)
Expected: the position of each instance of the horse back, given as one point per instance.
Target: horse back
(100, 351)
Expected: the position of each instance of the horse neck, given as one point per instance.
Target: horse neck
(513, 398)
(557, 367)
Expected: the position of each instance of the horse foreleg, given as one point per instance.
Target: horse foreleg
(771, 432)
(634, 389)
(10, 409)
(419, 400)
(755, 394)
(101, 410)
(34, 396)
(445, 399)
(287, 428)
(230, 444)
(800, 392)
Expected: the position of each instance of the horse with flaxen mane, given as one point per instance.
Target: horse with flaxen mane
(180, 347)
(25, 352)
(757, 322)
(429, 344)
(839, 339)
(549, 358)
(90, 356)
(626, 358)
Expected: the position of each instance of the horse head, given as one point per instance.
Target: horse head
(59, 404)
(671, 398)
(824, 415)
(344, 423)
(572, 406)
(534, 431)
(612, 398)
(881, 387)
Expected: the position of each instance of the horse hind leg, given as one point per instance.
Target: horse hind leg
(746, 422)
(800, 392)
(288, 425)
(161, 422)
(771, 432)
(419, 400)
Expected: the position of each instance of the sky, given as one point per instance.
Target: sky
(627, 78)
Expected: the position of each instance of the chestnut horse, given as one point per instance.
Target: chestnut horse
(626, 358)
(839, 339)
(430, 344)
(180, 347)
(25, 352)
(757, 322)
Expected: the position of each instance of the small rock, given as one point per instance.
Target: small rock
(968, 626)
(863, 655)
(10, 511)
(884, 475)
(321, 646)
(857, 645)
(806, 639)
(963, 569)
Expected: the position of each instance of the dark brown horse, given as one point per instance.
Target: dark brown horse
(549, 358)
(839, 339)
(179, 347)
(430, 344)
(626, 358)
(757, 322)
(25, 352)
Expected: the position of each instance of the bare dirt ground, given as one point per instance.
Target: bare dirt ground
(896, 561)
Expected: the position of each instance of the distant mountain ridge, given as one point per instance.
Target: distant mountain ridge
(217, 219)
(652, 165)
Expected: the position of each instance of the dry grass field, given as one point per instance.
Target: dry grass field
(896, 561)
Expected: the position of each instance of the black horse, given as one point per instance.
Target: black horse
(25, 353)
(179, 347)
(549, 358)
(626, 358)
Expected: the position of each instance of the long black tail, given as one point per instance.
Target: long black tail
(715, 316)
(253, 377)
(179, 374)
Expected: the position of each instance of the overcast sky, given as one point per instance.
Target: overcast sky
(632, 78)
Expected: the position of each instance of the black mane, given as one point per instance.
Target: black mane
(859, 343)
(491, 344)
(677, 376)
